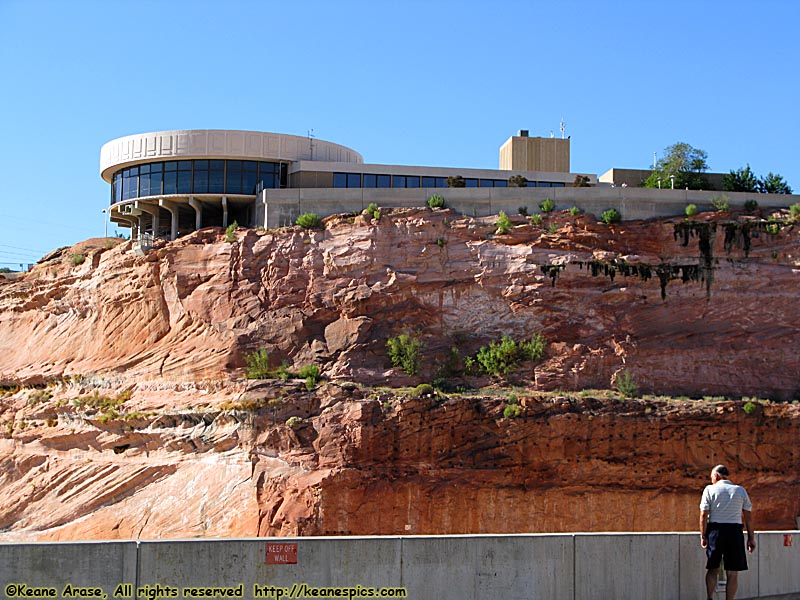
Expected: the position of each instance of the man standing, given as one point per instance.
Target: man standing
(721, 511)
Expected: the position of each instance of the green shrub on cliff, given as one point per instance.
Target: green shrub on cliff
(499, 358)
(257, 364)
(626, 385)
(230, 232)
(503, 223)
(547, 205)
(436, 201)
(404, 352)
(610, 216)
(309, 220)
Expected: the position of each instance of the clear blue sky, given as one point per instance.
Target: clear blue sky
(412, 82)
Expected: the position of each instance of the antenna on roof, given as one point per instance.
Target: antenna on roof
(311, 142)
(562, 126)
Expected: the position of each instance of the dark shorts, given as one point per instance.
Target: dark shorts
(726, 542)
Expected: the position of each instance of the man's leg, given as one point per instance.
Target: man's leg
(711, 582)
(733, 582)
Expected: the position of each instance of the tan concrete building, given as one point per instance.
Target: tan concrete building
(523, 153)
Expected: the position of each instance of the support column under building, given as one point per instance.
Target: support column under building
(198, 212)
(153, 211)
(173, 210)
(224, 211)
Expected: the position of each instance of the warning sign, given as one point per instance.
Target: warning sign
(281, 554)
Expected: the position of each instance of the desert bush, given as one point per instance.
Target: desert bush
(498, 358)
(309, 220)
(423, 390)
(750, 205)
(436, 201)
(257, 364)
(512, 411)
(691, 210)
(77, 259)
(230, 232)
(523, 210)
(294, 422)
(404, 352)
(720, 203)
(536, 219)
(626, 385)
(574, 211)
(373, 210)
(794, 212)
(503, 223)
(37, 396)
(311, 374)
(610, 216)
(749, 408)
(547, 205)
(552, 228)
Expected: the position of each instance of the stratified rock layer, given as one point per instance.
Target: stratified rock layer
(145, 431)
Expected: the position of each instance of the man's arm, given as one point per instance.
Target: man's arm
(751, 538)
(703, 524)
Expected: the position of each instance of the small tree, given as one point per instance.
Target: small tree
(404, 352)
(794, 212)
(517, 181)
(774, 184)
(750, 205)
(610, 216)
(574, 211)
(503, 223)
(581, 181)
(740, 180)
(691, 210)
(686, 164)
(456, 181)
(309, 220)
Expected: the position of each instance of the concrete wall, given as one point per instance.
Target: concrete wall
(276, 208)
(509, 567)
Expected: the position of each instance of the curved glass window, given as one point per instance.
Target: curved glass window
(199, 176)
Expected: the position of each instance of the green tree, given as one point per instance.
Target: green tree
(581, 181)
(517, 181)
(740, 180)
(685, 163)
(774, 184)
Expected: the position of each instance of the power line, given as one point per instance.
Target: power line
(20, 248)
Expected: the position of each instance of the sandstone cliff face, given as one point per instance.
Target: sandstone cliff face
(697, 308)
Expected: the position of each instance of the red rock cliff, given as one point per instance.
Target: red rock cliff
(144, 429)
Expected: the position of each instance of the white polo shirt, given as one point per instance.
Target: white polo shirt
(725, 502)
